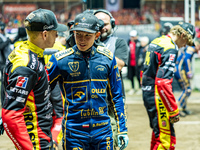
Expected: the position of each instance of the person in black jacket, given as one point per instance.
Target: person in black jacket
(4, 44)
(4, 52)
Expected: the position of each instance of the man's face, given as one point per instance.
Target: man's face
(107, 29)
(84, 40)
(51, 38)
(133, 38)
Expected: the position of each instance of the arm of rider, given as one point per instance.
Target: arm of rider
(120, 63)
(125, 139)
(174, 119)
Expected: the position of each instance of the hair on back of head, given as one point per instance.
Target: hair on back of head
(177, 30)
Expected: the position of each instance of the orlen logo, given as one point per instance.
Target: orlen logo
(22, 82)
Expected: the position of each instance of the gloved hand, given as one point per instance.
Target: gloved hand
(1, 126)
(55, 145)
(174, 119)
(189, 75)
(123, 141)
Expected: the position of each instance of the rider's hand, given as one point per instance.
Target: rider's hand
(123, 141)
(174, 119)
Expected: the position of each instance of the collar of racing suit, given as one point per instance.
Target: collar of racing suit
(34, 48)
(172, 40)
(89, 53)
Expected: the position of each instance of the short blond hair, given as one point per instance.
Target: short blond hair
(178, 30)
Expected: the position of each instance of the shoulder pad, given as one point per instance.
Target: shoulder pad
(105, 51)
(164, 42)
(190, 50)
(61, 54)
(17, 43)
(23, 58)
(19, 56)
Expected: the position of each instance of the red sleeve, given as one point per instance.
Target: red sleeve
(18, 87)
(165, 91)
(14, 125)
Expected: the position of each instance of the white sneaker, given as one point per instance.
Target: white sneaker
(131, 92)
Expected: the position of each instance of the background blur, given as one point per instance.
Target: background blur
(145, 16)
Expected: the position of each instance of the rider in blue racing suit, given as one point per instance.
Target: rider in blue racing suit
(184, 74)
(83, 77)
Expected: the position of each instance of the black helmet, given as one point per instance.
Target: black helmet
(166, 28)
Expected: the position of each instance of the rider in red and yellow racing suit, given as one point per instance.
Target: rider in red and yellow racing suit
(27, 111)
(158, 97)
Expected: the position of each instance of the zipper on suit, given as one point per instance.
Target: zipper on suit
(89, 76)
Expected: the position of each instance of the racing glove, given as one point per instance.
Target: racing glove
(123, 141)
(174, 119)
(55, 145)
(1, 126)
(189, 75)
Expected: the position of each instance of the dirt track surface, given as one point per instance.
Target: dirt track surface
(187, 129)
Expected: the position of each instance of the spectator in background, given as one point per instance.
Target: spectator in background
(119, 48)
(144, 41)
(70, 42)
(4, 45)
(27, 110)
(21, 37)
(70, 24)
(5, 50)
(183, 74)
(134, 51)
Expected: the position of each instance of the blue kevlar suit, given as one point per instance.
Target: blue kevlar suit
(83, 79)
(183, 74)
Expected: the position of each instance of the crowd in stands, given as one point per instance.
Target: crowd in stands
(15, 20)
(135, 16)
